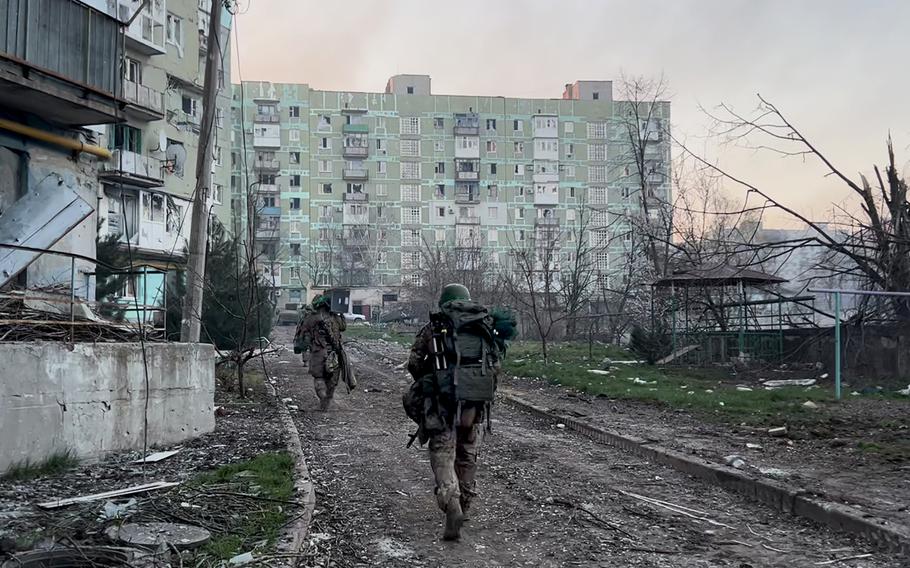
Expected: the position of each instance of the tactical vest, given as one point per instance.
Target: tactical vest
(464, 352)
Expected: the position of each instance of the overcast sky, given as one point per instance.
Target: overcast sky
(836, 67)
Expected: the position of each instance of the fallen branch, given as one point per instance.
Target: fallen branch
(844, 559)
(677, 509)
(593, 515)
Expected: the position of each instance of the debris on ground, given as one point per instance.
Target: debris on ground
(778, 431)
(107, 494)
(810, 405)
(157, 456)
(155, 535)
(777, 383)
(735, 461)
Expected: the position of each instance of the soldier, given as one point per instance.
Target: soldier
(455, 362)
(320, 332)
(301, 339)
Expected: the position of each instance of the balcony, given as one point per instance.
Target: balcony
(267, 118)
(356, 197)
(132, 168)
(546, 194)
(269, 188)
(355, 174)
(268, 233)
(467, 176)
(355, 215)
(57, 61)
(547, 221)
(355, 151)
(467, 220)
(146, 34)
(355, 129)
(546, 126)
(467, 124)
(267, 164)
(145, 102)
(467, 197)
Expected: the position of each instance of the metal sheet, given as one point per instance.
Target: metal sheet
(39, 219)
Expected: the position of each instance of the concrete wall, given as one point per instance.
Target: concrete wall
(89, 398)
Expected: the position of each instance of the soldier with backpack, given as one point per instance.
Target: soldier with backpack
(320, 333)
(455, 362)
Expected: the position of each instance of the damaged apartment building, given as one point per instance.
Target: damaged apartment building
(100, 105)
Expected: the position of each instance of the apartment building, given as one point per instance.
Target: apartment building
(347, 188)
(55, 80)
(149, 182)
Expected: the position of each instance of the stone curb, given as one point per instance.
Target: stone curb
(774, 494)
(294, 535)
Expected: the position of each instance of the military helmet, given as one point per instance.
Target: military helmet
(321, 301)
(453, 292)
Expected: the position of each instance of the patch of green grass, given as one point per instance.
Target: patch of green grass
(273, 477)
(363, 332)
(57, 463)
(707, 392)
(896, 451)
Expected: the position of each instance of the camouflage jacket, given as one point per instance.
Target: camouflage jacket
(313, 332)
(420, 362)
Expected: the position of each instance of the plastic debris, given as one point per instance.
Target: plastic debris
(789, 383)
(735, 461)
(810, 405)
(779, 431)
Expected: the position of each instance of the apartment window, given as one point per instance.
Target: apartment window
(491, 124)
(324, 142)
(438, 123)
(174, 30)
(597, 130)
(295, 180)
(491, 146)
(493, 236)
(441, 212)
(219, 118)
(217, 155)
(381, 190)
(570, 127)
(440, 235)
(133, 70)
(625, 192)
(518, 148)
(521, 190)
(382, 167)
(519, 170)
(410, 215)
(294, 111)
(410, 90)
(439, 146)
(410, 125)
(410, 238)
(597, 174)
(597, 152)
(440, 191)
(128, 138)
(493, 212)
(410, 170)
(268, 201)
(190, 105)
(379, 146)
(602, 260)
(295, 251)
(267, 179)
(467, 142)
(325, 123)
(325, 166)
(295, 204)
(570, 150)
(571, 193)
(570, 215)
(597, 195)
(355, 188)
(570, 172)
(294, 157)
(492, 169)
(493, 192)
(440, 168)
(520, 235)
(410, 192)
(325, 211)
(519, 213)
(410, 148)
(326, 188)
(217, 193)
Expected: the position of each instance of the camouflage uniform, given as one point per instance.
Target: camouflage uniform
(323, 361)
(453, 453)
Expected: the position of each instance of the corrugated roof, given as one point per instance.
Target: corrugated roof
(722, 275)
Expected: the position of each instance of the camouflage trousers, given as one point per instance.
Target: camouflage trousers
(453, 457)
(324, 380)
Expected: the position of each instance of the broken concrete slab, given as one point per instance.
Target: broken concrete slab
(152, 535)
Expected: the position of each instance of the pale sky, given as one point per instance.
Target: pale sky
(836, 67)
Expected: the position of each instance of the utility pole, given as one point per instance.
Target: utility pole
(195, 264)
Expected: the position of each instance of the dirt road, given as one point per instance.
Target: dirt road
(547, 497)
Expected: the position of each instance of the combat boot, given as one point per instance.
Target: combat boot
(465, 507)
(454, 520)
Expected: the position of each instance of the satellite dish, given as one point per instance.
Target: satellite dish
(175, 157)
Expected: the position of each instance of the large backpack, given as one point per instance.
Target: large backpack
(464, 352)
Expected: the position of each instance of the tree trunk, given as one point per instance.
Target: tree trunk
(240, 365)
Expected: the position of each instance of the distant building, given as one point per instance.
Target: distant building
(349, 186)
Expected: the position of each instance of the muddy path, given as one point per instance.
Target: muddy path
(547, 496)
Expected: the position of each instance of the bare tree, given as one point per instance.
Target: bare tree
(873, 244)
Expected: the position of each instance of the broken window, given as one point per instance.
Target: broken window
(153, 207)
(174, 216)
